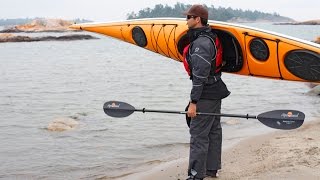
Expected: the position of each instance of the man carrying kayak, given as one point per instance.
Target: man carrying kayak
(203, 60)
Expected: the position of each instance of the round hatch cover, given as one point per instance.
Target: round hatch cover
(259, 49)
(139, 36)
(304, 64)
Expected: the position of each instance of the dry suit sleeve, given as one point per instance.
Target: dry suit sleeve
(202, 52)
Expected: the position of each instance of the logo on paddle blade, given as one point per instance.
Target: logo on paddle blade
(113, 105)
(289, 115)
(287, 122)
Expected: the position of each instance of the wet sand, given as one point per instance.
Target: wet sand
(293, 154)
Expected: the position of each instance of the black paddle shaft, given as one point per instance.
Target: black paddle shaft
(278, 119)
(198, 113)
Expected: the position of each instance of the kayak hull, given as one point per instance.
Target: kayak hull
(247, 51)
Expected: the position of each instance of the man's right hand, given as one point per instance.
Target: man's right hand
(192, 110)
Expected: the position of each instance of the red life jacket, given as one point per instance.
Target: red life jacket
(218, 58)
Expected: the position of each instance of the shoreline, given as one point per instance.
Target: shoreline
(6, 38)
(310, 22)
(282, 154)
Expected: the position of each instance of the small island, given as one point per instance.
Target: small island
(42, 26)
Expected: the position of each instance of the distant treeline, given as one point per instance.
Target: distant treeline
(219, 14)
(18, 21)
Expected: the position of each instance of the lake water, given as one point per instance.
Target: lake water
(42, 81)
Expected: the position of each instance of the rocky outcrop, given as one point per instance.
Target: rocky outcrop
(13, 38)
(311, 22)
(41, 25)
(315, 88)
(317, 40)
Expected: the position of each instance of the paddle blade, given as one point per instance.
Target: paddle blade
(118, 109)
(282, 119)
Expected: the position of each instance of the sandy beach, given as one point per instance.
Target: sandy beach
(293, 154)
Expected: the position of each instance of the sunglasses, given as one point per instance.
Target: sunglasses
(191, 16)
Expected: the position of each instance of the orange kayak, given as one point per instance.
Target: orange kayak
(247, 51)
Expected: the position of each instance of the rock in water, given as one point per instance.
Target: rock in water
(62, 124)
(317, 40)
(315, 88)
(232, 122)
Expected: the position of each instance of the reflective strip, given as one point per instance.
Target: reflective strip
(214, 45)
(201, 77)
(201, 58)
(215, 48)
(197, 85)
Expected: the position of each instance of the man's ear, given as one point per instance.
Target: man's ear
(198, 19)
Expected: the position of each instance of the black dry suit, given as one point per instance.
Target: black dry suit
(207, 83)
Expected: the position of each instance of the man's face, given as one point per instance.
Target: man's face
(192, 21)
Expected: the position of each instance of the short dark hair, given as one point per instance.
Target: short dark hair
(204, 21)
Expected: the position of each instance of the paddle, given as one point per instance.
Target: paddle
(278, 119)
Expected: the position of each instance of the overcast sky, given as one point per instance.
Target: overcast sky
(113, 10)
